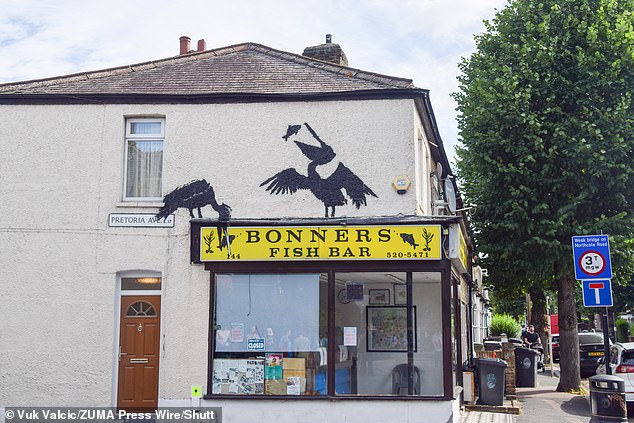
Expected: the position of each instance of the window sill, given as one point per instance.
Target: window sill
(264, 397)
(140, 204)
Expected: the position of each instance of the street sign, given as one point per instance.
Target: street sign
(554, 323)
(592, 257)
(597, 293)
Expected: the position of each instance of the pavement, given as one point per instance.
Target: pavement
(543, 404)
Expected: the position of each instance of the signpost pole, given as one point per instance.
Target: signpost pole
(591, 255)
(550, 338)
(606, 342)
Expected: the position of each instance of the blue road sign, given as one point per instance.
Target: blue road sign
(597, 293)
(592, 257)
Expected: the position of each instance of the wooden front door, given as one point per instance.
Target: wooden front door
(139, 346)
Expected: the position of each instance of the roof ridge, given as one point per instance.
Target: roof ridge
(119, 70)
(221, 51)
(334, 68)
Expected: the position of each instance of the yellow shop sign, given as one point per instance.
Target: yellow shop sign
(458, 249)
(398, 242)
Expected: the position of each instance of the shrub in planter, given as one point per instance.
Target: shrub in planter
(503, 323)
(622, 330)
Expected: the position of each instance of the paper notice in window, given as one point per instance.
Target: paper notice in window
(350, 336)
(293, 385)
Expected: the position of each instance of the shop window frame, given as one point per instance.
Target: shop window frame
(443, 267)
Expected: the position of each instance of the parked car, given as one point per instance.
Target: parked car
(555, 341)
(591, 349)
(622, 364)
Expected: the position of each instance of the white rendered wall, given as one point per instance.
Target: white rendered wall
(357, 411)
(62, 175)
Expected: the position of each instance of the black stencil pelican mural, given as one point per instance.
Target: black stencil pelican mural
(328, 190)
(194, 195)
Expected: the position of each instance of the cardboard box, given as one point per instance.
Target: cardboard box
(294, 367)
(275, 387)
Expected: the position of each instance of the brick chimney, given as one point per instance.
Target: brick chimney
(202, 45)
(184, 41)
(328, 52)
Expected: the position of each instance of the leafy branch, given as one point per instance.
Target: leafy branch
(208, 240)
(428, 237)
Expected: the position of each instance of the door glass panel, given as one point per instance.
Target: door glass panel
(141, 284)
(141, 309)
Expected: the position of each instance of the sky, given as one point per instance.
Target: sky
(423, 40)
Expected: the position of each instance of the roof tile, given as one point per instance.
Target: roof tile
(242, 68)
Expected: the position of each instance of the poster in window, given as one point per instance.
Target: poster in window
(400, 294)
(350, 336)
(238, 376)
(293, 385)
(380, 296)
(237, 332)
(387, 329)
(273, 367)
(354, 291)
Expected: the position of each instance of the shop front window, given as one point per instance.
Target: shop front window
(378, 351)
(270, 334)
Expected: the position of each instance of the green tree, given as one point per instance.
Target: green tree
(623, 282)
(546, 119)
(511, 302)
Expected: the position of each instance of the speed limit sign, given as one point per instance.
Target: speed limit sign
(592, 257)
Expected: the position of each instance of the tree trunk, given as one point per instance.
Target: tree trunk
(538, 314)
(570, 378)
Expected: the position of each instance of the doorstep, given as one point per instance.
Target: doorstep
(511, 405)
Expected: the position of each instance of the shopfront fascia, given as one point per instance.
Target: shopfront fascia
(460, 254)
(329, 309)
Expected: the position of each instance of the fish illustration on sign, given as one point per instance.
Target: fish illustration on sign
(330, 190)
(409, 239)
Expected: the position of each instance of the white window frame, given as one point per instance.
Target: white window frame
(422, 170)
(129, 136)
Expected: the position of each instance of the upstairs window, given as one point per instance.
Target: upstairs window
(144, 159)
(422, 185)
